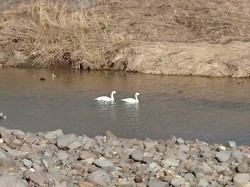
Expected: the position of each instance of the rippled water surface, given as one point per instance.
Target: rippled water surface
(213, 110)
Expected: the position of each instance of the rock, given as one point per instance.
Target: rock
(27, 163)
(99, 177)
(231, 144)
(55, 172)
(202, 182)
(18, 134)
(222, 156)
(160, 148)
(237, 154)
(2, 156)
(126, 183)
(7, 180)
(242, 167)
(86, 154)
(62, 155)
(31, 139)
(65, 140)
(39, 177)
(180, 141)
(189, 177)
(137, 155)
(241, 178)
(156, 183)
(138, 179)
(88, 142)
(53, 135)
(103, 163)
(168, 162)
(85, 184)
(177, 181)
(74, 145)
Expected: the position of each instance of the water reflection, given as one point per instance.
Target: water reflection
(106, 109)
(133, 110)
(214, 110)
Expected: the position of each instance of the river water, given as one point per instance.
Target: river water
(214, 110)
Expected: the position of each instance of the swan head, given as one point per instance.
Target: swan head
(137, 93)
(113, 92)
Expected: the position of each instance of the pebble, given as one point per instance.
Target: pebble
(53, 135)
(99, 177)
(222, 156)
(55, 159)
(241, 178)
(65, 140)
(137, 155)
(103, 163)
(7, 180)
(156, 183)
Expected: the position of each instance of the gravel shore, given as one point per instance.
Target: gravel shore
(66, 160)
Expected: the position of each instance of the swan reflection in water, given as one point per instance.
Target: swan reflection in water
(133, 110)
(107, 108)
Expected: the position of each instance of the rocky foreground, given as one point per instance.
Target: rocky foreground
(65, 160)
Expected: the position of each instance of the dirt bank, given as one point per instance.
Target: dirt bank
(205, 38)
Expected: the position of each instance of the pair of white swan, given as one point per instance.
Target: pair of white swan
(127, 100)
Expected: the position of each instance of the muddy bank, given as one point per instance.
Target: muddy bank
(57, 159)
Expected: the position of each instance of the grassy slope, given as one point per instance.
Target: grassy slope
(115, 35)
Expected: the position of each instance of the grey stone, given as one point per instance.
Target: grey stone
(242, 167)
(7, 180)
(27, 163)
(189, 177)
(237, 154)
(180, 141)
(222, 156)
(156, 183)
(99, 177)
(86, 154)
(103, 163)
(65, 140)
(18, 134)
(241, 178)
(202, 182)
(168, 162)
(160, 148)
(39, 177)
(53, 135)
(137, 155)
(74, 145)
(177, 181)
(231, 144)
(2, 155)
(31, 139)
(184, 148)
(88, 142)
(62, 155)
(126, 183)
(55, 172)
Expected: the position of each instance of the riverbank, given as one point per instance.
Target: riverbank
(57, 159)
(205, 38)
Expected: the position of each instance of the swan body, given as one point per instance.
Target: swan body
(132, 100)
(105, 98)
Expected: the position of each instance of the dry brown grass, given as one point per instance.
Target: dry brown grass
(100, 37)
(44, 31)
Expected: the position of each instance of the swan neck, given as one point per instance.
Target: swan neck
(136, 97)
(112, 96)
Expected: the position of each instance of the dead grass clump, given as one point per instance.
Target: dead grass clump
(45, 31)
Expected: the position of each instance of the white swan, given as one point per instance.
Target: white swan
(105, 98)
(132, 100)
